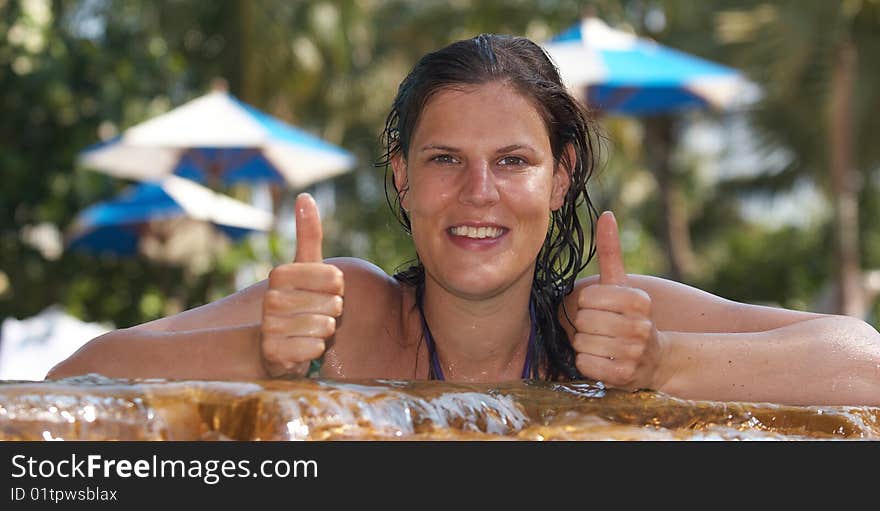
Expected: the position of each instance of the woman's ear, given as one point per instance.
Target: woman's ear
(401, 181)
(562, 177)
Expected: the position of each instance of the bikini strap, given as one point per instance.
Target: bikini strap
(530, 349)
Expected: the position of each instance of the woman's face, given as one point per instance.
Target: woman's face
(480, 184)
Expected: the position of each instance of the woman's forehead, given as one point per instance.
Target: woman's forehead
(490, 113)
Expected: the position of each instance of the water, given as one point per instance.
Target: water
(97, 408)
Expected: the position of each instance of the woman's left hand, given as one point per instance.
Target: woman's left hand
(615, 339)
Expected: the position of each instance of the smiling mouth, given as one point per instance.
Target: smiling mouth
(477, 232)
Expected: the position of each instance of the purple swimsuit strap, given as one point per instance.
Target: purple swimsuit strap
(437, 371)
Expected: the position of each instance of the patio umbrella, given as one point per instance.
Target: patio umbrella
(220, 140)
(616, 72)
(619, 73)
(167, 219)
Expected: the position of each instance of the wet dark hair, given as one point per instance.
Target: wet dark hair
(523, 65)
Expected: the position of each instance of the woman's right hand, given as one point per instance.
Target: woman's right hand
(302, 301)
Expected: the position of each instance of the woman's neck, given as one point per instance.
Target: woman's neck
(483, 340)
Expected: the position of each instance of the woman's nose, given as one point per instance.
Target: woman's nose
(479, 187)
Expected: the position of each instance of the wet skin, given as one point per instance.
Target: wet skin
(480, 157)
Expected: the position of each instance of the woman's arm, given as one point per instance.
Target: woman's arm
(222, 340)
(833, 360)
(219, 340)
(707, 347)
(222, 353)
(273, 328)
(634, 332)
(721, 349)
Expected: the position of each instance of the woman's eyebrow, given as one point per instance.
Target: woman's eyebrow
(515, 147)
(505, 149)
(437, 147)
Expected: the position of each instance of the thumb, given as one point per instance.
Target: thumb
(308, 230)
(611, 269)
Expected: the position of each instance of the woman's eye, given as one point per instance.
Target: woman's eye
(512, 160)
(444, 158)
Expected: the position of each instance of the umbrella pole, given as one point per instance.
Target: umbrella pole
(261, 243)
(659, 141)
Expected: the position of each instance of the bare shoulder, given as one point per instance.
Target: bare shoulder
(365, 279)
(370, 337)
(371, 301)
(680, 307)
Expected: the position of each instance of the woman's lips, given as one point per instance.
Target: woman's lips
(477, 231)
(477, 237)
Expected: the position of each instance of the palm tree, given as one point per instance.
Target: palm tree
(810, 57)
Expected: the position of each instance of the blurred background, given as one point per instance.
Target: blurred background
(768, 195)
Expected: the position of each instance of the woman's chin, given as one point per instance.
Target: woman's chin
(476, 287)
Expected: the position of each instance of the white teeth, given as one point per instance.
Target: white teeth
(476, 232)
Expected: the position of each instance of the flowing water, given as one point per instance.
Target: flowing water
(97, 408)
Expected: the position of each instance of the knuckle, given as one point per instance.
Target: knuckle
(649, 328)
(280, 272)
(274, 276)
(299, 350)
(584, 297)
(319, 325)
(330, 326)
(273, 299)
(270, 349)
(296, 356)
(337, 275)
(308, 348)
(642, 328)
(336, 305)
(624, 373)
(639, 350)
(642, 302)
(319, 347)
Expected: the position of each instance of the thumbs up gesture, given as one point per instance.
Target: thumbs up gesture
(302, 301)
(615, 339)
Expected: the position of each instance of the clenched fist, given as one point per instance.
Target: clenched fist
(615, 340)
(302, 302)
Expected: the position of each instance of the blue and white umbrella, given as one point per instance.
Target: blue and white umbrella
(619, 73)
(218, 139)
(159, 212)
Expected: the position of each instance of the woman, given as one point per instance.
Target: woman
(490, 157)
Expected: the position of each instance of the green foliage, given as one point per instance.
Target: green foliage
(790, 265)
(69, 71)
(78, 71)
